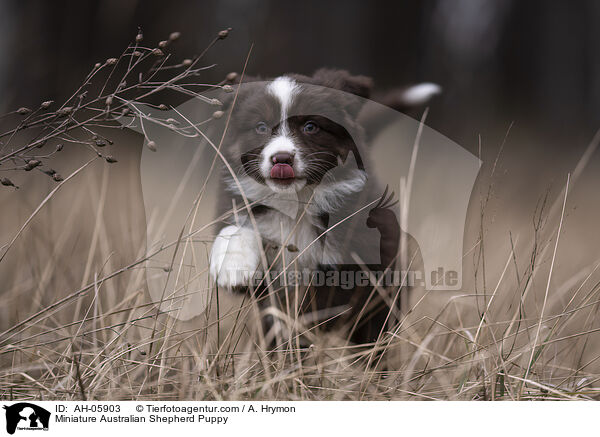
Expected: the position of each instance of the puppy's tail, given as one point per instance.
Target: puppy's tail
(403, 99)
(374, 117)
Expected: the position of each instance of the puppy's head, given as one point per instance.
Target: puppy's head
(289, 132)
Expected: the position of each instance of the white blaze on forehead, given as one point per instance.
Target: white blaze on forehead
(284, 89)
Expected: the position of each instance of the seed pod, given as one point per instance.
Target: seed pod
(7, 182)
(50, 172)
(109, 100)
(137, 53)
(151, 145)
(227, 88)
(57, 177)
(46, 104)
(31, 164)
(97, 65)
(162, 107)
(125, 111)
(110, 159)
(64, 111)
(163, 44)
(157, 52)
(100, 142)
(139, 37)
(231, 76)
(215, 102)
(111, 61)
(186, 62)
(174, 35)
(59, 147)
(41, 144)
(223, 34)
(218, 114)
(23, 111)
(172, 121)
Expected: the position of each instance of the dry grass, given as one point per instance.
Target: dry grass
(78, 323)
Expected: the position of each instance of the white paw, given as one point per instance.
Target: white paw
(234, 257)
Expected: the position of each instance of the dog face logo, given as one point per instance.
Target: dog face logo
(26, 416)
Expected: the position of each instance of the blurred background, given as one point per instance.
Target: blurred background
(534, 63)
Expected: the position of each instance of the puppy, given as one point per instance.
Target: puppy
(298, 179)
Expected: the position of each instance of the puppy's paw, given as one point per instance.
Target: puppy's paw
(234, 257)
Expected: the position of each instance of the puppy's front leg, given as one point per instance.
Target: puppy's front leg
(234, 257)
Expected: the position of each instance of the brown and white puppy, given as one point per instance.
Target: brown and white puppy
(297, 155)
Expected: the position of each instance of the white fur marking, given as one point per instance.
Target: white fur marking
(284, 89)
(421, 93)
(278, 144)
(329, 196)
(234, 257)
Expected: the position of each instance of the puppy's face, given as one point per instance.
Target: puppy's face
(290, 132)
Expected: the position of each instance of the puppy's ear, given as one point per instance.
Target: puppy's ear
(344, 81)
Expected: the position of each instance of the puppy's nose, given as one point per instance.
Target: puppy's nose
(282, 158)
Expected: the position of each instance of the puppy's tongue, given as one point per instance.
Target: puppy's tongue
(282, 171)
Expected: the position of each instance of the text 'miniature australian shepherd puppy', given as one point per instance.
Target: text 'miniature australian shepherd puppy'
(305, 201)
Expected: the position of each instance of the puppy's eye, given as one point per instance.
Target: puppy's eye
(262, 128)
(310, 127)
